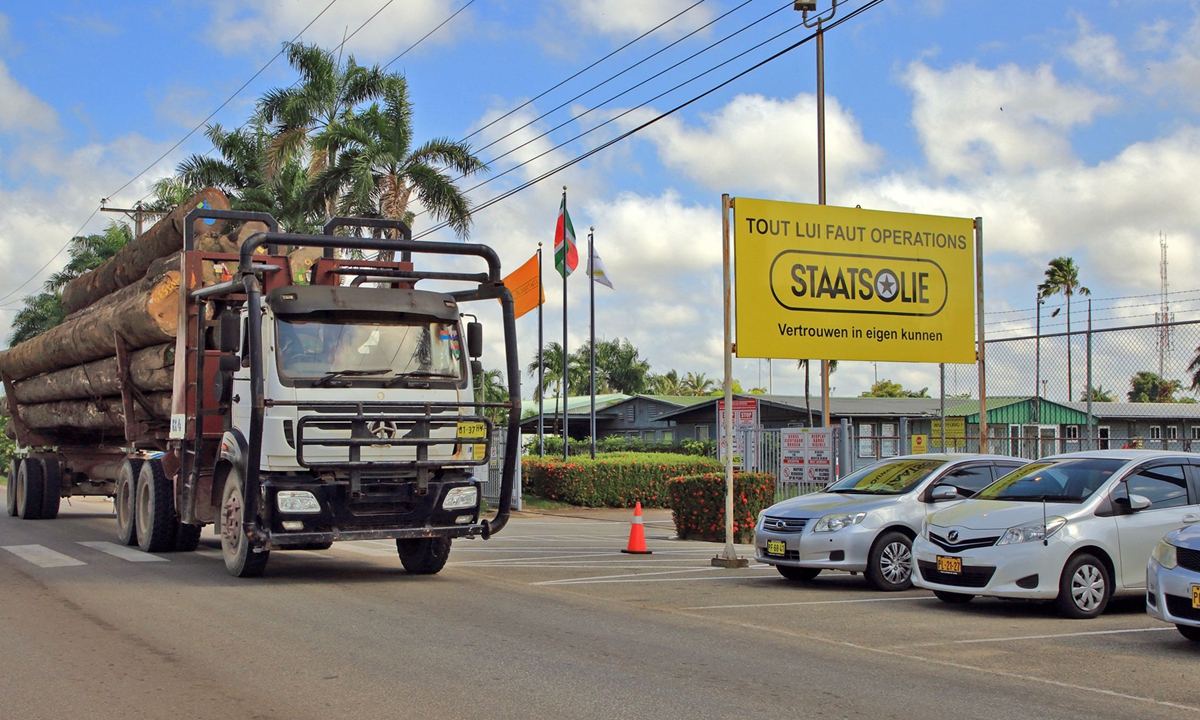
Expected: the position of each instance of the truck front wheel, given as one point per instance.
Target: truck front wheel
(423, 556)
(236, 548)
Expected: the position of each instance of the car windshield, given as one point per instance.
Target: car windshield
(887, 478)
(356, 349)
(1070, 481)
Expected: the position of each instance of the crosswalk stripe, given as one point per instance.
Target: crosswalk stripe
(43, 556)
(125, 553)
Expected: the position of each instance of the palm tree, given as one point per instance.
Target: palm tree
(1062, 276)
(665, 384)
(805, 365)
(696, 384)
(619, 368)
(379, 173)
(490, 388)
(552, 375)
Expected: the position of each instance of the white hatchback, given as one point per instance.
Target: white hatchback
(1076, 529)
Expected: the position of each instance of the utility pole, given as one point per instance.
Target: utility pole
(138, 213)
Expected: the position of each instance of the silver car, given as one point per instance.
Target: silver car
(1173, 580)
(866, 521)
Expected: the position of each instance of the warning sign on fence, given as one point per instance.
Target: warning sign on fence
(807, 455)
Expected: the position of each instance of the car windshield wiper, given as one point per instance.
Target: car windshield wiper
(421, 374)
(329, 376)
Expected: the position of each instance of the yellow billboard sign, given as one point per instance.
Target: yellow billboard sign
(834, 283)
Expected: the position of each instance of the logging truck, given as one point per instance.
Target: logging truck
(306, 397)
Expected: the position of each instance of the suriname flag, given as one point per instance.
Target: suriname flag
(566, 257)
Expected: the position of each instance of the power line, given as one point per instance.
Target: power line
(47, 264)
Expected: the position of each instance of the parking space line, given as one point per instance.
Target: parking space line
(123, 552)
(1035, 637)
(43, 556)
(807, 602)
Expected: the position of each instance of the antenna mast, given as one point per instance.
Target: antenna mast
(1163, 316)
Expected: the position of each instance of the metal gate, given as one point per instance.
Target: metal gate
(767, 456)
(493, 472)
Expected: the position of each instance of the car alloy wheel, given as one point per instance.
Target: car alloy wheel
(896, 562)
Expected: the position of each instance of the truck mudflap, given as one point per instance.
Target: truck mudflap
(275, 539)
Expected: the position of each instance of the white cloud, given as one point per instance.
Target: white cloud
(21, 109)
(757, 144)
(972, 120)
(1098, 54)
(1179, 74)
(249, 26)
(620, 17)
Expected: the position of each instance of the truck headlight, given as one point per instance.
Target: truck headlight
(837, 521)
(1164, 554)
(297, 501)
(1031, 532)
(461, 497)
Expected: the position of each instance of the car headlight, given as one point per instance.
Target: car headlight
(1032, 531)
(1164, 554)
(837, 521)
(461, 497)
(297, 501)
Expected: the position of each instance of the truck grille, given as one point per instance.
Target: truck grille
(1181, 607)
(974, 577)
(784, 525)
(961, 545)
(1187, 558)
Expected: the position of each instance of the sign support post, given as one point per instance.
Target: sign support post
(982, 361)
(729, 559)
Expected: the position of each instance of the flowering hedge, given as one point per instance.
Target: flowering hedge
(698, 504)
(617, 480)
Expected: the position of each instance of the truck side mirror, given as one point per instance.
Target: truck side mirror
(474, 339)
(230, 338)
(476, 369)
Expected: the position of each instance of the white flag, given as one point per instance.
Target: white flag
(598, 271)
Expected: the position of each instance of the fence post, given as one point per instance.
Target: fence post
(905, 447)
(1090, 420)
(845, 463)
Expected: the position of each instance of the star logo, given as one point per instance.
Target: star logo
(886, 285)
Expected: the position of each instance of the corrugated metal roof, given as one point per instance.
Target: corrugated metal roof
(1018, 411)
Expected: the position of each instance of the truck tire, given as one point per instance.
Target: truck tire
(423, 556)
(125, 501)
(29, 489)
(155, 509)
(236, 547)
(187, 537)
(51, 488)
(10, 488)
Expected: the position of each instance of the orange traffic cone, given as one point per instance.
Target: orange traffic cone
(637, 534)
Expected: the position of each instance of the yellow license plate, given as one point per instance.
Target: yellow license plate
(471, 431)
(1196, 596)
(776, 547)
(952, 565)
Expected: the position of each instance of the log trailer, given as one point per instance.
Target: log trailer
(316, 398)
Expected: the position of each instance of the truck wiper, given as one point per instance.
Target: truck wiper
(329, 376)
(420, 374)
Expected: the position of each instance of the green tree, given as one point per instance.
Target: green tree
(889, 389)
(1099, 394)
(619, 368)
(696, 384)
(806, 366)
(666, 384)
(1149, 387)
(491, 388)
(1062, 276)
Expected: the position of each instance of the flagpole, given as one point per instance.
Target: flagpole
(541, 366)
(592, 348)
(565, 377)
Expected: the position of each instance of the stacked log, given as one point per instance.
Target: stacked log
(66, 381)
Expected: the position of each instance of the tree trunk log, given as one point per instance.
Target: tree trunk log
(144, 314)
(151, 370)
(102, 414)
(131, 263)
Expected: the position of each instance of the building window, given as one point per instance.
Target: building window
(668, 436)
(866, 440)
(1196, 432)
(1155, 432)
(889, 443)
(648, 435)
(1071, 432)
(1172, 432)
(702, 433)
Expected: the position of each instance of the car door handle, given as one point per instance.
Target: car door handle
(1191, 518)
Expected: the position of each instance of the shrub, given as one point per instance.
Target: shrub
(698, 504)
(616, 480)
(552, 445)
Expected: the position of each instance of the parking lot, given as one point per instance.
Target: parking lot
(573, 556)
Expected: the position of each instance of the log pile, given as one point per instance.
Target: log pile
(66, 380)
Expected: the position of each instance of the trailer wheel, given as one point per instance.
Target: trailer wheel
(11, 488)
(187, 538)
(155, 509)
(236, 548)
(423, 556)
(51, 488)
(29, 489)
(125, 501)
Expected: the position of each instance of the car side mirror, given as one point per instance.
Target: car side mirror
(475, 339)
(1138, 502)
(944, 492)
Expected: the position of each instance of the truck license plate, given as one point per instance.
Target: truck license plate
(471, 431)
(1196, 596)
(952, 565)
(777, 547)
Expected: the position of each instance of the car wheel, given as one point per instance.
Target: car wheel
(953, 598)
(890, 564)
(1084, 589)
(798, 573)
(1191, 632)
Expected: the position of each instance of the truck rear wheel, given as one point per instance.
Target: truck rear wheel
(10, 488)
(423, 556)
(51, 488)
(155, 504)
(29, 489)
(125, 500)
(236, 548)
(187, 537)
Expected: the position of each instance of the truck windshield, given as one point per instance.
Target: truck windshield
(321, 350)
(1070, 481)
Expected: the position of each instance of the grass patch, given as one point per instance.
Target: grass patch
(532, 502)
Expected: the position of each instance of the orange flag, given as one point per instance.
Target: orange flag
(525, 284)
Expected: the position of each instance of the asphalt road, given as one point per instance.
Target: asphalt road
(546, 620)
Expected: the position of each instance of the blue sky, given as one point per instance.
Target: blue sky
(1095, 152)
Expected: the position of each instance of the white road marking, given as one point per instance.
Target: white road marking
(807, 602)
(43, 556)
(123, 552)
(1035, 637)
(631, 577)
